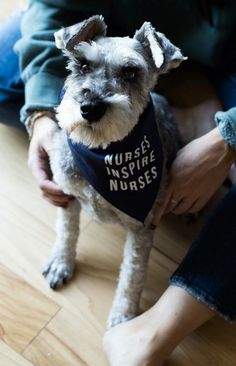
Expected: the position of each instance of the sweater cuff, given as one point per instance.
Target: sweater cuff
(226, 122)
(41, 93)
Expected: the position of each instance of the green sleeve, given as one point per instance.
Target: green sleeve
(226, 121)
(42, 64)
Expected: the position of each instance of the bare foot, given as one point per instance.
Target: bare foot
(133, 343)
(149, 339)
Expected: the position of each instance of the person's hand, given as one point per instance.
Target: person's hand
(38, 161)
(197, 172)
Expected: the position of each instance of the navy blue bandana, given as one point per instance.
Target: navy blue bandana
(127, 173)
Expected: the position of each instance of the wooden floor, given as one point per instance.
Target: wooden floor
(41, 327)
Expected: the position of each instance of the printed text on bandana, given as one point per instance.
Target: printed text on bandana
(133, 170)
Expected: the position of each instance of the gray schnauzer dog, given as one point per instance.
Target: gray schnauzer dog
(114, 147)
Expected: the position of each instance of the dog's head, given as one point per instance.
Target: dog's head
(110, 79)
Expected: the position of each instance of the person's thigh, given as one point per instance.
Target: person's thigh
(208, 271)
(11, 85)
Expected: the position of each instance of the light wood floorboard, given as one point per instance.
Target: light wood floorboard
(8, 357)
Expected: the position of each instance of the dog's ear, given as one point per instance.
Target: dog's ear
(164, 54)
(88, 30)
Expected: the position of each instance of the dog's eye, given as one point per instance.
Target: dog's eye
(129, 72)
(84, 69)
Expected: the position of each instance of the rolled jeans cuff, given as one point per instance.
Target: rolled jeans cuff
(202, 296)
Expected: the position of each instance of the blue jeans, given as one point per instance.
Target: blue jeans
(11, 85)
(208, 271)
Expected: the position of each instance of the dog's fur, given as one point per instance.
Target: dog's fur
(143, 57)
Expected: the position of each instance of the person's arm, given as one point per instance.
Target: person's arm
(42, 65)
(200, 168)
(43, 130)
(43, 72)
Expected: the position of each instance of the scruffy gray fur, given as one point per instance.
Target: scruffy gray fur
(120, 72)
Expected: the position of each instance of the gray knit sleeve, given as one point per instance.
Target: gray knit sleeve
(226, 122)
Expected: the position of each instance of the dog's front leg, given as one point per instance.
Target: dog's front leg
(132, 276)
(61, 264)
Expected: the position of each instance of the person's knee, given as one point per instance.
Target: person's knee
(11, 85)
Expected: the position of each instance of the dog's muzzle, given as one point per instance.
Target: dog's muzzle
(93, 111)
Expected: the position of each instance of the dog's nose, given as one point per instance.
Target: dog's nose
(93, 111)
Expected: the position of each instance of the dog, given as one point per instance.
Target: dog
(116, 143)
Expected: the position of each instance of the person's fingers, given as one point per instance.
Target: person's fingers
(51, 188)
(183, 207)
(172, 204)
(58, 198)
(38, 162)
(56, 203)
(197, 206)
(43, 175)
(161, 207)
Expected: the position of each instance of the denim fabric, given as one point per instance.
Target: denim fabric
(225, 85)
(208, 271)
(11, 85)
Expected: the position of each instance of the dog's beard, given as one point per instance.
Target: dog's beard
(115, 125)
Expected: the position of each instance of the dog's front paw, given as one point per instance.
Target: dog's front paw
(58, 271)
(116, 318)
